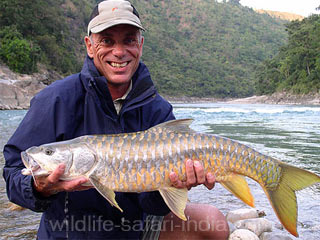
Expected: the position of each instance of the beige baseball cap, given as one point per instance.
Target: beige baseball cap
(113, 12)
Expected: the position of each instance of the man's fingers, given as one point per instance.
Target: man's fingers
(195, 176)
(52, 184)
(69, 186)
(48, 185)
(191, 177)
(73, 185)
(56, 174)
(175, 181)
(210, 181)
(198, 168)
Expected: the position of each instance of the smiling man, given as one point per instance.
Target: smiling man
(113, 93)
(116, 53)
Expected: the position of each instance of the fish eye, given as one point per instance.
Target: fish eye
(48, 151)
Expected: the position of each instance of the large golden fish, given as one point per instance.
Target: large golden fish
(142, 161)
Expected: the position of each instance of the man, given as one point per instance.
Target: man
(112, 94)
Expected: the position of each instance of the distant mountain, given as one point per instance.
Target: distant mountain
(201, 48)
(207, 48)
(281, 15)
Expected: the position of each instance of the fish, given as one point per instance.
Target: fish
(142, 162)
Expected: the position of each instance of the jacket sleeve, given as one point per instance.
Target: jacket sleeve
(152, 202)
(39, 126)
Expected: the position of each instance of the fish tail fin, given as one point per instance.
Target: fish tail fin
(283, 198)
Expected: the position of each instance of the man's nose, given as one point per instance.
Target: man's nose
(119, 50)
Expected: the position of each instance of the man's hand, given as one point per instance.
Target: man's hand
(51, 184)
(195, 176)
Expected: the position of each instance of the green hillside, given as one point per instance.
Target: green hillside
(205, 48)
(296, 68)
(192, 47)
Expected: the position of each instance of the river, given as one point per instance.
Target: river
(288, 133)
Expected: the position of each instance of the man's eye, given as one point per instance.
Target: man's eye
(130, 41)
(106, 41)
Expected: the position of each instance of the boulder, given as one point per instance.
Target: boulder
(243, 234)
(16, 90)
(256, 225)
(18, 94)
(273, 236)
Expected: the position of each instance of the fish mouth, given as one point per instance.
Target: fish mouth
(25, 159)
(31, 165)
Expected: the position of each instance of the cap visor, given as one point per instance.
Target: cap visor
(104, 26)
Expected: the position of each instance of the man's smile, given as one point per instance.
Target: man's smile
(118, 65)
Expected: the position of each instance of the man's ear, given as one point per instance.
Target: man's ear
(141, 45)
(89, 46)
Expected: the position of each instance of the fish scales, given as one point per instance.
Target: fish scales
(166, 153)
(143, 161)
(176, 155)
(149, 155)
(223, 150)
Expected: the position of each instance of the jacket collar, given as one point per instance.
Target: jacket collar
(142, 85)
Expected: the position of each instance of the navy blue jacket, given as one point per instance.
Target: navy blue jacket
(79, 105)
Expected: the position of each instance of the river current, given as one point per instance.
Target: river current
(288, 133)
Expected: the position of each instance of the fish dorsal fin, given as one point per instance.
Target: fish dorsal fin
(176, 199)
(238, 186)
(180, 125)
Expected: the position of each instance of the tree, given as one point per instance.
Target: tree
(18, 53)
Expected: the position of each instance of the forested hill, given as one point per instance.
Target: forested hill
(296, 68)
(206, 48)
(200, 48)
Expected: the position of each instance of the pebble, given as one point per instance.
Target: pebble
(241, 214)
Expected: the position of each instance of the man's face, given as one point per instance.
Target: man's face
(116, 52)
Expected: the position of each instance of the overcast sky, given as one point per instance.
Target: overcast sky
(301, 7)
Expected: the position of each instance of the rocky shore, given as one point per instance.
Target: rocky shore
(251, 224)
(276, 98)
(280, 98)
(16, 91)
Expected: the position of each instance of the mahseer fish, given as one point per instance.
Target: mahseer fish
(142, 161)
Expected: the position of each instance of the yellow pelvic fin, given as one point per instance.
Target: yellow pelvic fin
(283, 198)
(238, 186)
(105, 192)
(176, 199)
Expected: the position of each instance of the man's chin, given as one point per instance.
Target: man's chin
(119, 81)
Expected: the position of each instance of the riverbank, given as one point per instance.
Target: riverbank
(280, 98)
(16, 91)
